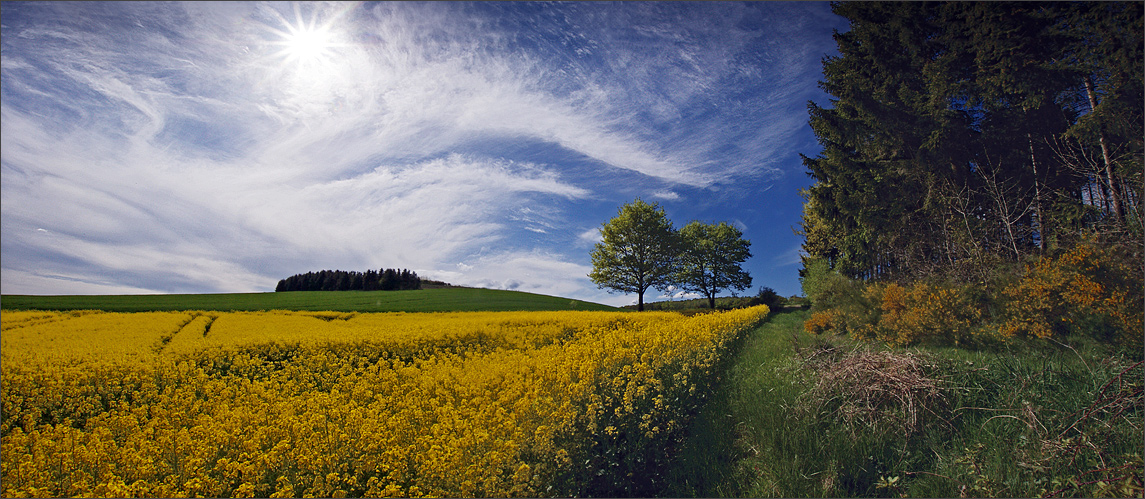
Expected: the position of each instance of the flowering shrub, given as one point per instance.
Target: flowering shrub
(289, 404)
(922, 312)
(900, 316)
(824, 321)
(1086, 290)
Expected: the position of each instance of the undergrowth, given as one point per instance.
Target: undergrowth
(1092, 289)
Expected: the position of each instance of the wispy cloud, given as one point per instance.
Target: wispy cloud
(532, 271)
(590, 237)
(171, 147)
(791, 257)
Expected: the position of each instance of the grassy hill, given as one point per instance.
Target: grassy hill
(452, 299)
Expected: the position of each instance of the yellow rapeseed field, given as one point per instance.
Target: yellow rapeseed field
(333, 404)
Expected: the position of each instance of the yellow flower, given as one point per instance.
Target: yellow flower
(300, 403)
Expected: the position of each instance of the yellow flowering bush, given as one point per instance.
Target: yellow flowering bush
(331, 404)
(922, 312)
(1090, 289)
(900, 316)
(1085, 288)
(823, 321)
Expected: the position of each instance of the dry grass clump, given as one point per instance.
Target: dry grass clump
(873, 390)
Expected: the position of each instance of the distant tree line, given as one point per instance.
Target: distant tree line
(341, 280)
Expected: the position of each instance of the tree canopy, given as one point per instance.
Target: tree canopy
(963, 133)
(710, 259)
(641, 249)
(637, 251)
(341, 280)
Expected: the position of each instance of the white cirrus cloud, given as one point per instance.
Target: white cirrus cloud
(590, 237)
(172, 147)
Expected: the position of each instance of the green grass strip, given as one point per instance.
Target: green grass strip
(717, 459)
(422, 300)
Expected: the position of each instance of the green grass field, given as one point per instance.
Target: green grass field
(423, 300)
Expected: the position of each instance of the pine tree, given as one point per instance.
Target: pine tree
(957, 131)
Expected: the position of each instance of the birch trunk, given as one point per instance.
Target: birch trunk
(1114, 191)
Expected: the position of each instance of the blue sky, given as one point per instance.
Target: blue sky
(219, 147)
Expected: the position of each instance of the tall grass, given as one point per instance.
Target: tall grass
(823, 416)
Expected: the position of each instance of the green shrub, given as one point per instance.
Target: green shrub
(769, 297)
(815, 272)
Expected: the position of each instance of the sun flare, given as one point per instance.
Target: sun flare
(307, 45)
(308, 41)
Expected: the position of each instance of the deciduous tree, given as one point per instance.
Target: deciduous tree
(710, 258)
(637, 251)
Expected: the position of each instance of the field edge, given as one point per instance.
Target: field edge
(453, 299)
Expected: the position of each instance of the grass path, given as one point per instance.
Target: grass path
(718, 459)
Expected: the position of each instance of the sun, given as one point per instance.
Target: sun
(307, 44)
(308, 58)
